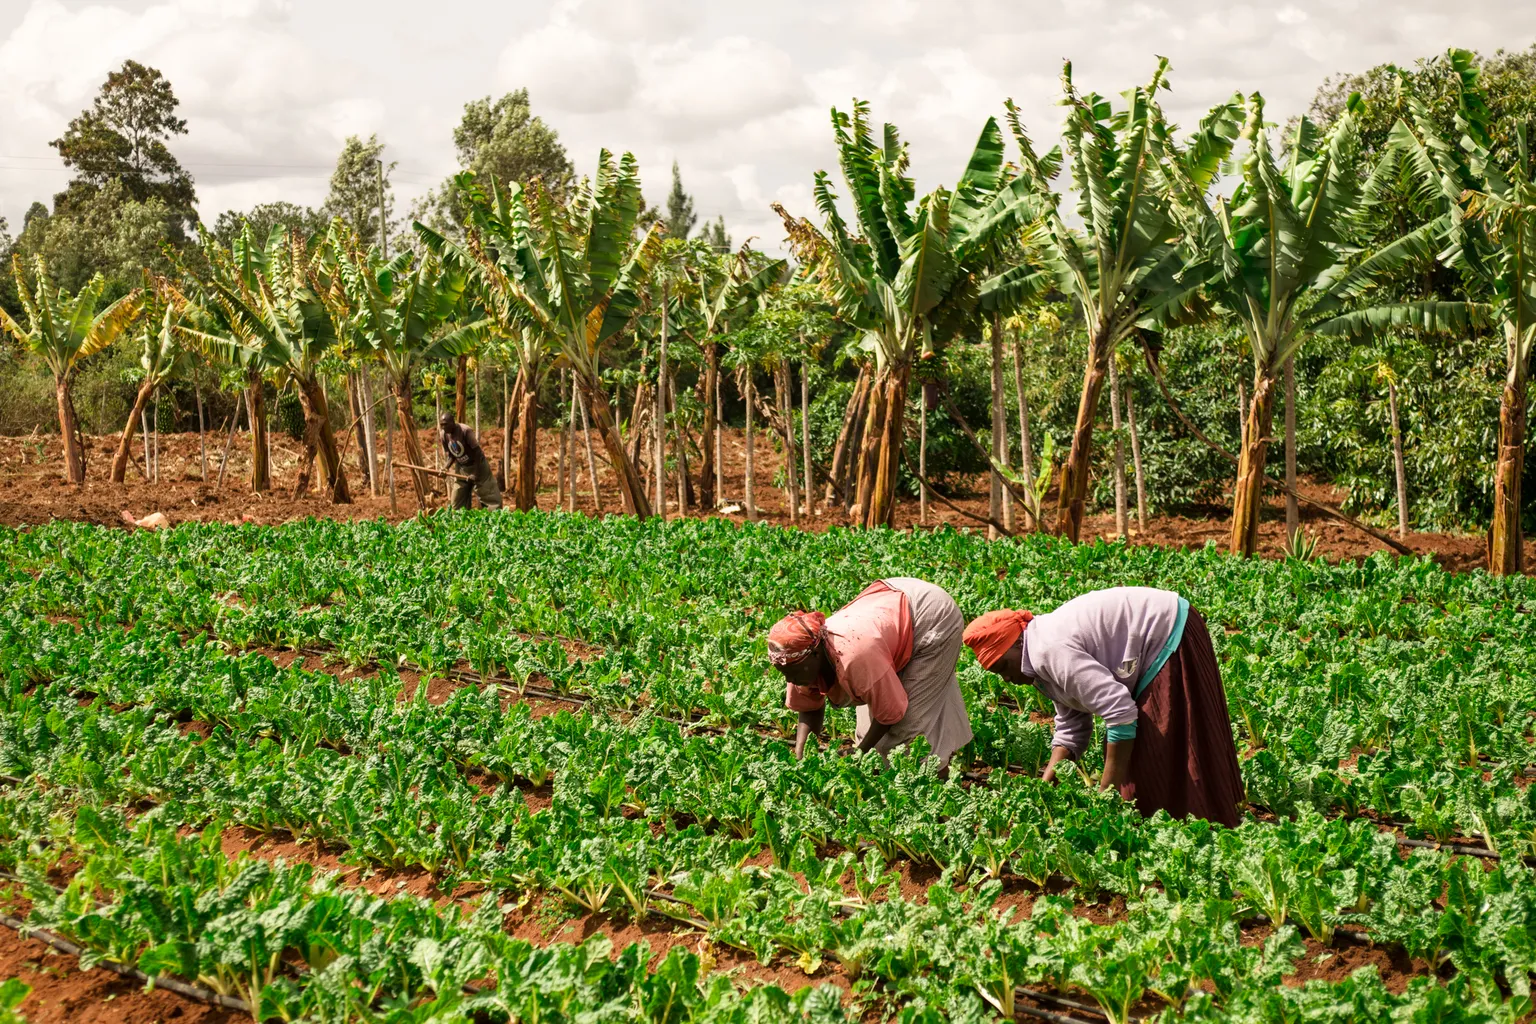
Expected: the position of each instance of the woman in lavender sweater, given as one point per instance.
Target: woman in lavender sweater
(1140, 659)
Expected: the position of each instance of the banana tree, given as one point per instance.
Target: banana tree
(1486, 231)
(402, 311)
(726, 289)
(1279, 240)
(271, 308)
(909, 279)
(64, 330)
(573, 269)
(159, 354)
(530, 351)
(1128, 263)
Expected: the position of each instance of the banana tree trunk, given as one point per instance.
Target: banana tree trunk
(1506, 542)
(660, 452)
(460, 388)
(586, 437)
(69, 430)
(707, 495)
(506, 430)
(868, 450)
(749, 481)
(1141, 479)
(405, 419)
(996, 497)
(261, 450)
(808, 482)
(1114, 420)
(781, 396)
(525, 448)
(883, 441)
(1073, 497)
(1026, 448)
(1399, 467)
(1292, 511)
(125, 442)
(320, 439)
(1248, 492)
(846, 444)
(684, 481)
(357, 403)
(631, 487)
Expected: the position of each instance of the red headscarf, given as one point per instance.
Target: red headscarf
(795, 636)
(992, 634)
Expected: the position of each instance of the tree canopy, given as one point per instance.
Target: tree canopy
(123, 137)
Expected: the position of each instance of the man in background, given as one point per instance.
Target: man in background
(468, 459)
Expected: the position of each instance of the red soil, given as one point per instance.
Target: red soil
(32, 491)
(61, 992)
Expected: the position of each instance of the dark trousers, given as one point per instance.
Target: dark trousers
(484, 484)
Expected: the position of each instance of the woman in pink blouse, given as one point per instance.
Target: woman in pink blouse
(891, 652)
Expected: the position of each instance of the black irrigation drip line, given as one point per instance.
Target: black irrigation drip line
(181, 988)
(508, 685)
(1047, 1015)
(1062, 1001)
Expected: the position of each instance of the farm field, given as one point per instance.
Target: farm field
(33, 492)
(534, 767)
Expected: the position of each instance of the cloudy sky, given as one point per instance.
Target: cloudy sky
(737, 94)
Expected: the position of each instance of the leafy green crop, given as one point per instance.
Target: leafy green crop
(143, 712)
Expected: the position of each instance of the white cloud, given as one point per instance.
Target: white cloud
(737, 94)
(570, 69)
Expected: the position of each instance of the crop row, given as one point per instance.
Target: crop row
(1388, 687)
(641, 806)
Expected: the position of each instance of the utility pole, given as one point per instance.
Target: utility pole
(383, 231)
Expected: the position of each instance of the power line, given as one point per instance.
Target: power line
(194, 164)
(233, 176)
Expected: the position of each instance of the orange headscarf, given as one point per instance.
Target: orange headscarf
(795, 636)
(992, 634)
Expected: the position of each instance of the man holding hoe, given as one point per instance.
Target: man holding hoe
(891, 652)
(1140, 659)
(468, 458)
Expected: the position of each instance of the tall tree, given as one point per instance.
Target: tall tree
(715, 235)
(501, 139)
(271, 301)
(263, 217)
(123, 137)
(1279, 240)
(104, 232)
(680, 217)
(354, 195)
(400, 313)
(910, 278)
(1486, 233)
(725, 288)
(1127, 263)
(575, 271)
(159, 355)
(63, 330)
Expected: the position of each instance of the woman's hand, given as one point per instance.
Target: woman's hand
(1117, 764)
(810, 722)
(1058, 755)
(874, 735)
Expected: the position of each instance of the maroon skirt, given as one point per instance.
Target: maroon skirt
(1184, 761)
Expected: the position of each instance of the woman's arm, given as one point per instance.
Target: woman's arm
(1117, 763)
(810, 722)
(876, 733)
(1058, 755)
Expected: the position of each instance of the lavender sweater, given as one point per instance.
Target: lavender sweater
(1088, 656)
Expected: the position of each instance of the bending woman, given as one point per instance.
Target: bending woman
(1140, 659)
(892, 652)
